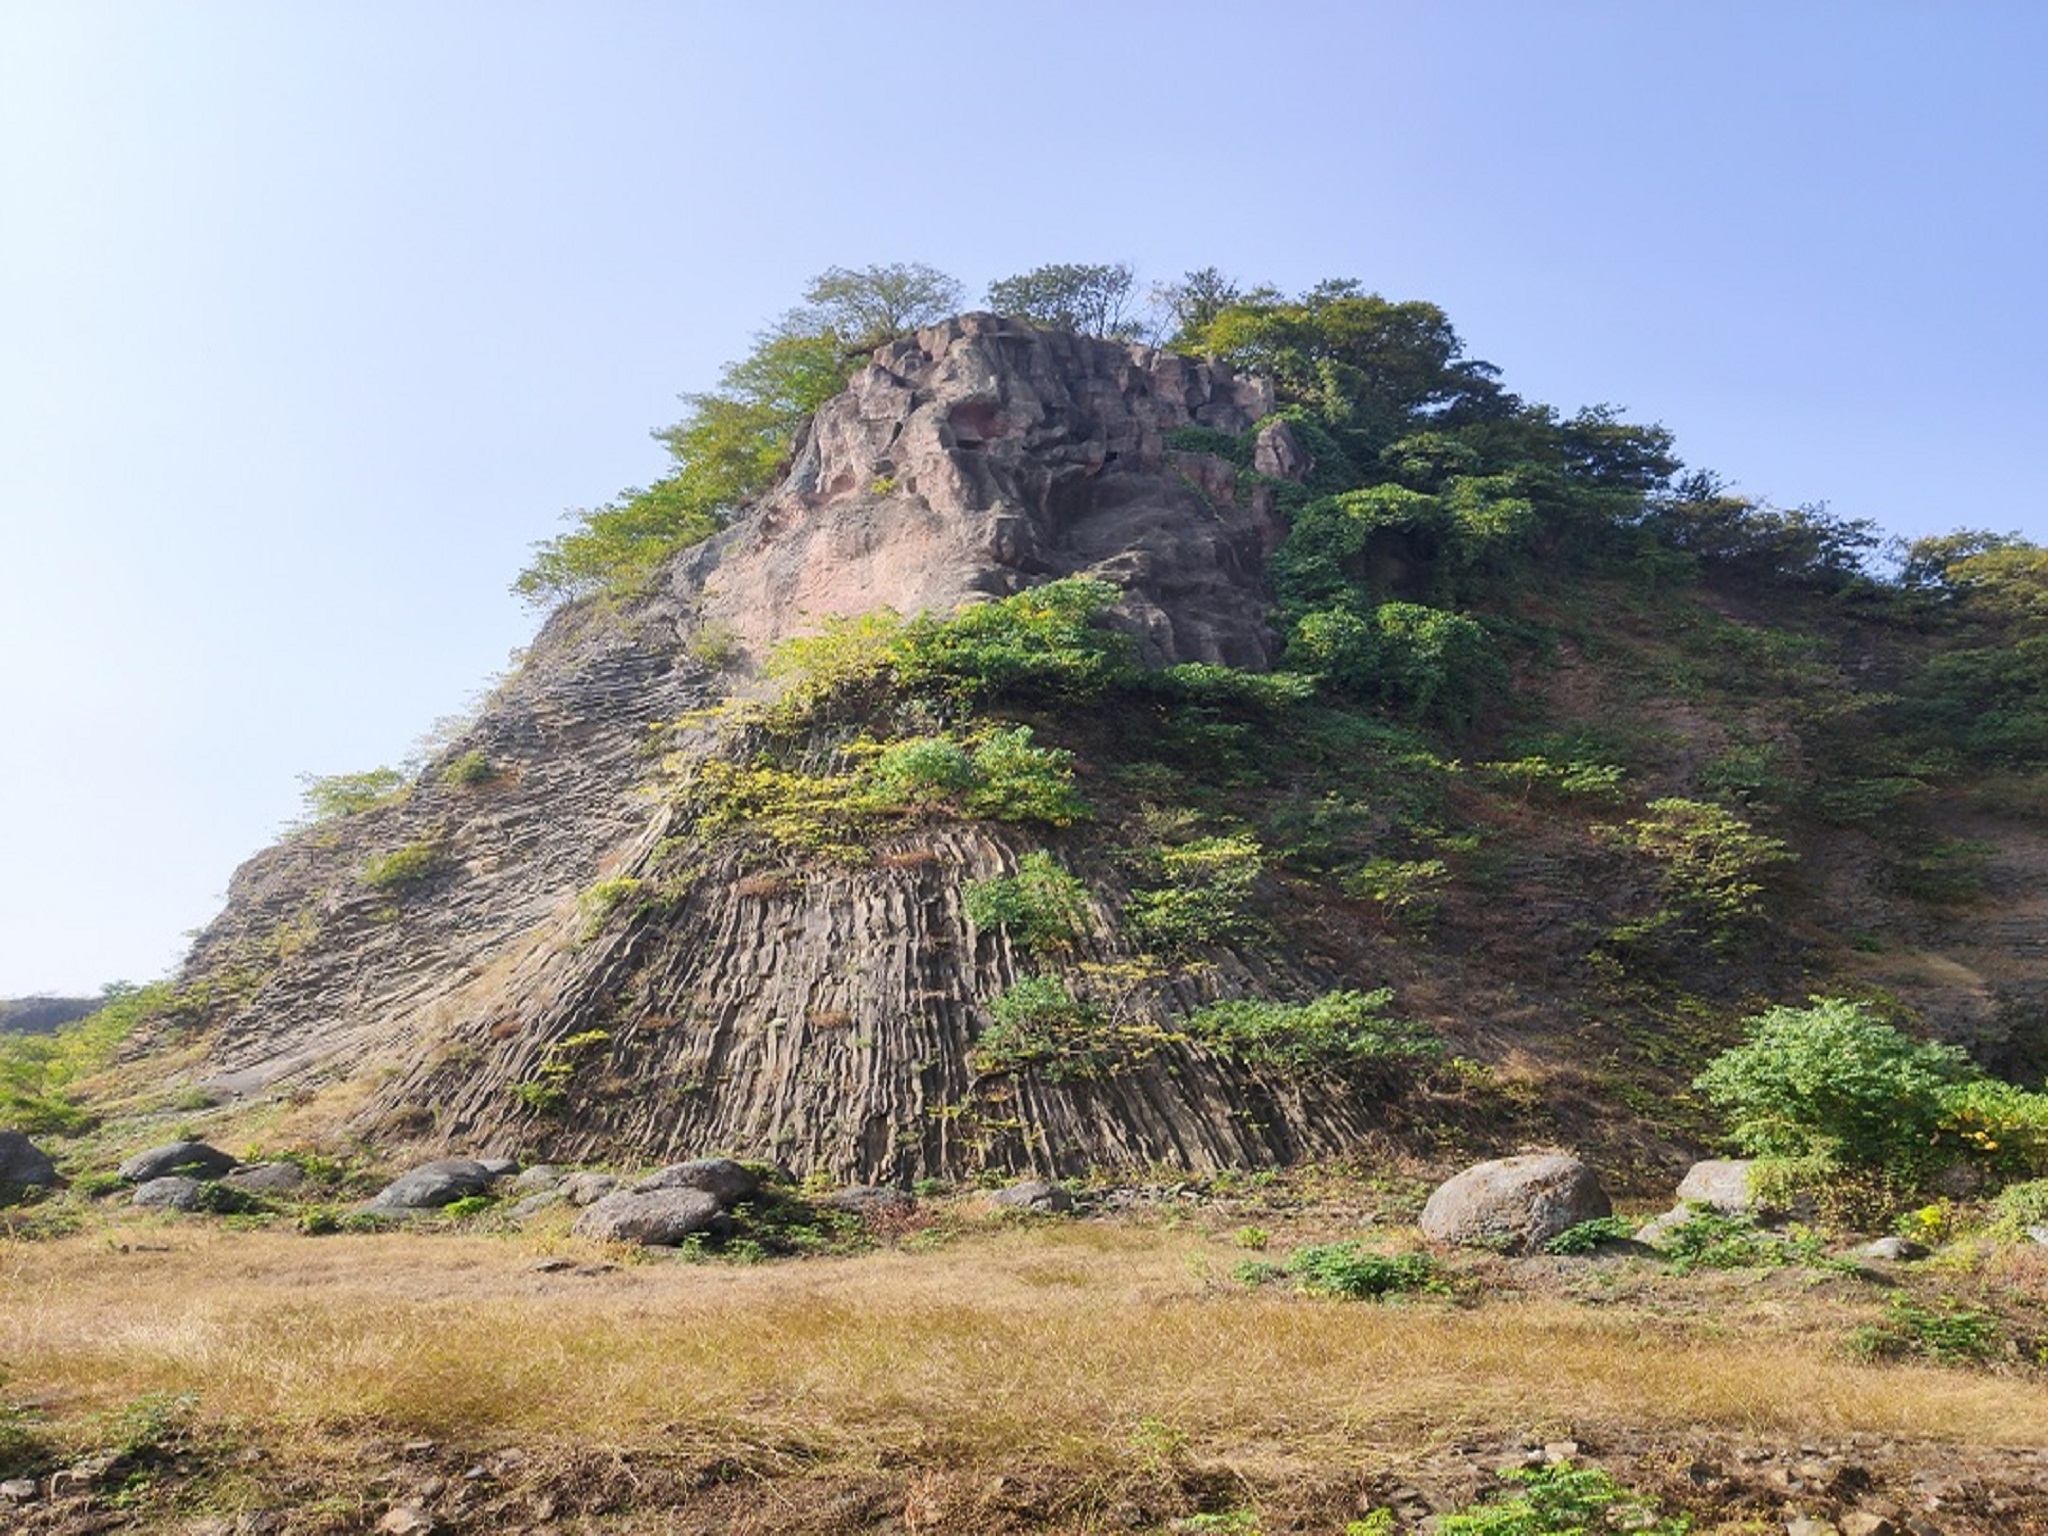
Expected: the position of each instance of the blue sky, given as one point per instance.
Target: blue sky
(315, 316)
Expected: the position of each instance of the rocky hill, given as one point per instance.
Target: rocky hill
(1515, 892)
(39, 1015)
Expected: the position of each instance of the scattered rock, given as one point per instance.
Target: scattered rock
(1864, 1523)
(433, 1185)
(1514, 1204)
(724, 1180)
(406, 1520)
(588, 1188)
(2039, 1235)
(1722, 1183)
(533, 1205)
(658, 1218)
(23, 1165)
(551, 1266)
(266, 1178)
(18, 1490)
(195, 1159)
(1032, 1195)
(174, 1192)
(539, 1176)
(1895, 1248)
(499, 1167)
(1803, 1526)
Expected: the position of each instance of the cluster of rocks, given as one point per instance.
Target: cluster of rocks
(1518, 1204)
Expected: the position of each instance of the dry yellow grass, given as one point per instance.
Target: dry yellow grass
(1081, 1345)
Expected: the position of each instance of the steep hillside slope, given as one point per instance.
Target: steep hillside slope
(1506, 868)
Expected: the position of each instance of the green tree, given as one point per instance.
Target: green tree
(867, 307)
(1093, 300)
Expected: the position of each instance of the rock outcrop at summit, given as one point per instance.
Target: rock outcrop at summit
(824, 1020)
(985, 456)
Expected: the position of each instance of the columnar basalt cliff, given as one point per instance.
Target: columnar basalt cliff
(825, 1018)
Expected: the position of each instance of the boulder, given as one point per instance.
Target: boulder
(1896, 1249)
(657, 1218)
(589, 1188)
(172, 1192)
(1032, 1195)
(499, 1167)
(1656, 1232)
(1722, 1183)
(266, 1178)
(539, 1176)
(194, 1159)
(719, 1177)
(433, 1185)
(1514, 1204)
(23, 1165)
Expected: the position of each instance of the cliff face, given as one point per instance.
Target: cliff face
(824, 1018)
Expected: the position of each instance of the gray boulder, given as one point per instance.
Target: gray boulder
(1897, 1249)
(1032, 1195)
(539, 1176)
(2039, 1235)
(719, 1177)
(433, 1185)
(172, 1192)
(499, 1167)
(194, 1159)
(1514, 1204)
(266, 1178)
(1656, 1232)
(1722, 1183)
(658, 1218)
(23, 1165)
(588, 1188)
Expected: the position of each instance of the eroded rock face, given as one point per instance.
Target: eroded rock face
(1514, 1204)
(985, 456)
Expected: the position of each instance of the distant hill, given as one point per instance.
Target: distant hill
(40, 1015)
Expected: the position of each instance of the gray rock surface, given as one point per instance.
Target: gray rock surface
(1032, 1195)
(193, 1158)
(539, 1176)
(172, 1192)
(1722, 1183)
(499, 1167)
(432, 1185)
(659, 1218)
(266, 1179)
(872, 1199)
(724, 1180)
(588, 1188)
(1896, 1249)
(1514, 1204)
(24, 1165)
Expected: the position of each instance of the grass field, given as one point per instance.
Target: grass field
(1110, 1360)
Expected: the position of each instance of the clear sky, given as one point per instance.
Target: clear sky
(314, 316)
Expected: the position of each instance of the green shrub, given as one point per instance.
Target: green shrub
(1562, 1500)
(598, 902)
(1040, 907)
(1713, 865)
(406, 868)
(1204, 890)
(335, 795)
(1405, 890)
(1337, 1028)
(2020, 1206)
(469, 770)
(1951, 1333)
(1016, 781)
(1829, 1081)
(1039, 1024)
(1589, 1236)
(547, 1089)
(1711, 1239)
(1350, 1269)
